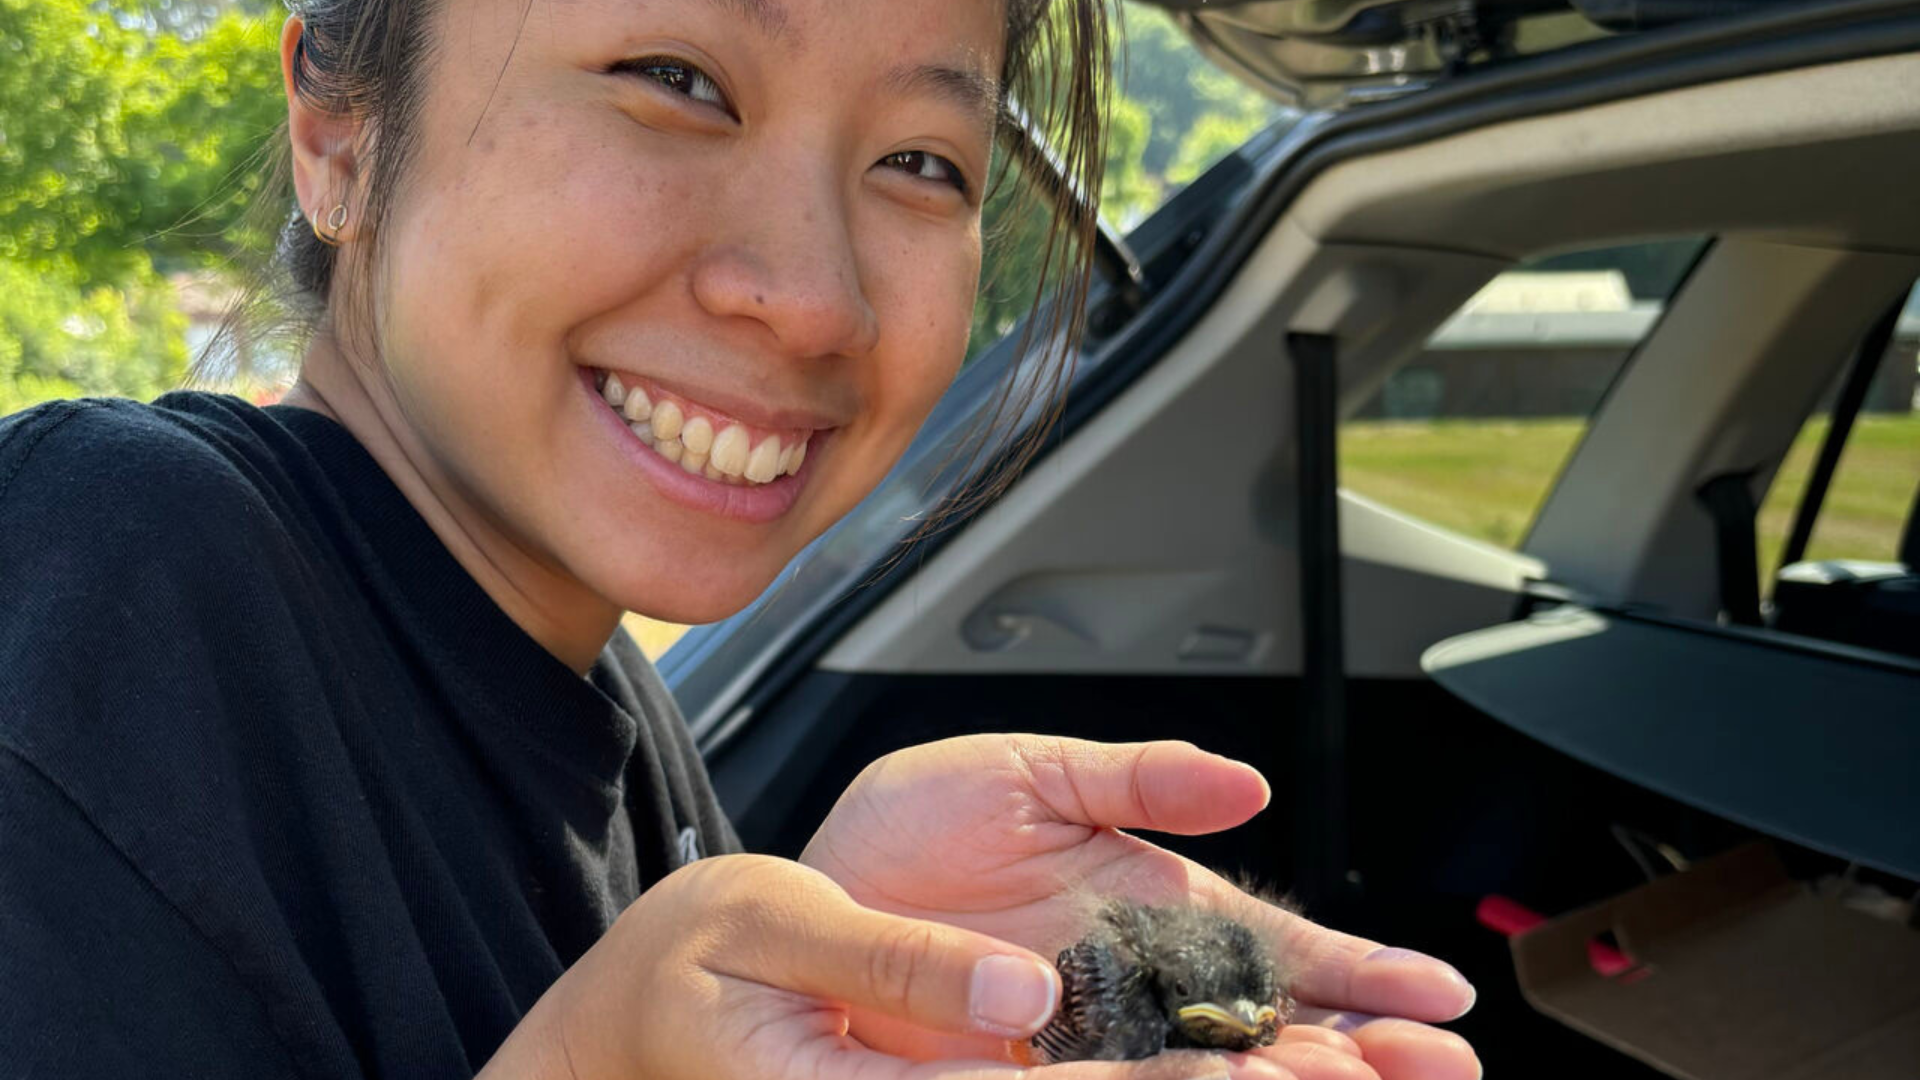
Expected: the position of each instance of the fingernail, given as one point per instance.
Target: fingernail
(1012, 996)
(1394, 954)
(1343, 1022)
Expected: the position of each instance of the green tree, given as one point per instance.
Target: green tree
(125, 141)
(61, 339)
(1174, 115)
(120, 146)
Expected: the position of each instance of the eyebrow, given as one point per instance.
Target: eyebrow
(964, 87)
(768, 15)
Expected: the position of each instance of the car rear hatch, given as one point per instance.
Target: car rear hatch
(1336, 53)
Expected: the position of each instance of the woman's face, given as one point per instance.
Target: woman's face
(762, 215)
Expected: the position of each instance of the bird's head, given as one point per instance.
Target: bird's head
(1219, 990)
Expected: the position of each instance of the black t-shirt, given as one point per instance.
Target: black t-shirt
(282, 791)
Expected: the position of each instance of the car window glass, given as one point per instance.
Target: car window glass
(1872, 490)
(1471, 433)
(1174, 116)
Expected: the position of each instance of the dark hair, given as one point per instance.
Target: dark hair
(366, 58)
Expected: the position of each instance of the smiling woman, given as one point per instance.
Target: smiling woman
(606, 306)
(708, 203)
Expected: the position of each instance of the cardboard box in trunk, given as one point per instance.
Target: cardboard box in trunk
(1739, 973)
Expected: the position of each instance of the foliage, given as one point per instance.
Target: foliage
(59, 338)
(123, 156)
(1174, 116)
(112, 137)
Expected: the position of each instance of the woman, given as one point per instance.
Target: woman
(323, 755)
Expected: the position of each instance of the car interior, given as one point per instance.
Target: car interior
(1444, 720)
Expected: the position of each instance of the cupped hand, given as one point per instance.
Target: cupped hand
(1010, 835)
(743, 967)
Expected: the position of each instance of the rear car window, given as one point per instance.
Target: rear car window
(1873, 487)
(1471, 433)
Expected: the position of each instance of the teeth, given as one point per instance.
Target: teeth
(698, 435)
(666, 421)
(725, 456)
(730, 451)
(639, 405)
(764, 464)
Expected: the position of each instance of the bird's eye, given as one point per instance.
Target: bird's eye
(1180, 989)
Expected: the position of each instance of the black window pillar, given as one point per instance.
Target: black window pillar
(1320, 749)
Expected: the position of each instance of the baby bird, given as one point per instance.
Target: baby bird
(1148, 979)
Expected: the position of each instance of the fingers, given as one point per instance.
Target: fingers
(1336, 970)
(1398, 1049)
(1318, 1053)
(792, 928)
(1174, 1065)
(1171, 787)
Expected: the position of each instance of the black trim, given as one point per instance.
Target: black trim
(1609, 71)
(1910, 548)
(1853, 394)
(1729, 499)
(1765, 638)
(1319, 776)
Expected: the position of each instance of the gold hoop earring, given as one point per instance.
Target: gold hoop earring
(336, 221)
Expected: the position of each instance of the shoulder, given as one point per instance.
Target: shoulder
(88, 450)
(131, 537)
(97, 488)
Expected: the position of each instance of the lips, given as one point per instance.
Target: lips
(664, 463)
(702, 440)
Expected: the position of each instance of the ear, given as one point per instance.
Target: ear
(326, 171)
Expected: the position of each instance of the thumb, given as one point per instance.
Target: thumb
(807, 935)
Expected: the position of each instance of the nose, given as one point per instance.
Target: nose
(789, 262)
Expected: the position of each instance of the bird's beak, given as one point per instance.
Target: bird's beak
(1244, 1017)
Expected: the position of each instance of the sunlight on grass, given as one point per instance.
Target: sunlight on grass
(1487, 478)
(1867, 505)
(653, 636)
(1480, 478)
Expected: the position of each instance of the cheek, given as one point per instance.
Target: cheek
(925, 307)
(505, 246)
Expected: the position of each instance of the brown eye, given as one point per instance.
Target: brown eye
(678, 77)
(927, 166)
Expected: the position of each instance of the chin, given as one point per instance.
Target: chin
(692, 598)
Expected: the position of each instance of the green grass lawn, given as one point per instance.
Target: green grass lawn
(1487, 478)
